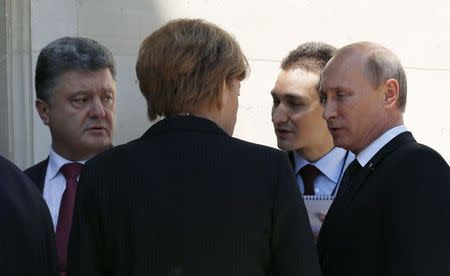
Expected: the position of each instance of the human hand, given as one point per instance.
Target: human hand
(321, 216)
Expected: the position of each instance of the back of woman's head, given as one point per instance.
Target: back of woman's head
(183, 65)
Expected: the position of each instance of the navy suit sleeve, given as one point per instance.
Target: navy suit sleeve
(26, 232)
(294, 252)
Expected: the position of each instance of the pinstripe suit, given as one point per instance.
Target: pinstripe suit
(187, 199)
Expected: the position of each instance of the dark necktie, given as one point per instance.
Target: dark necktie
(309, 174)
(352, 170)
(71, 171)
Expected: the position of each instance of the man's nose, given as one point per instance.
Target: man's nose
(278, 114)
(97, 108)
(329, 110)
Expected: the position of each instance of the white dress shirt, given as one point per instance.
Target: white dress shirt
(55, 184)
(332, 165)
(366, 154)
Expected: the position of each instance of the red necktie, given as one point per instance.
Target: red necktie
(71, 171)
(309, 174)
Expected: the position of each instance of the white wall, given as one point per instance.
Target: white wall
(267, 31)
(16, 136)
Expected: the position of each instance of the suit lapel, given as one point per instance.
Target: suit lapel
(42, 177)
(340, 204)
(394, 144)
(391, 146)
(355, 185)
(37, 174)
(291, 159)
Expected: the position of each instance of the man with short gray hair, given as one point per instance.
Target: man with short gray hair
(391, 215)
(75, 97)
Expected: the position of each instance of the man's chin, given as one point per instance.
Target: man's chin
(340, 142)
(284, 146)
(98, 146)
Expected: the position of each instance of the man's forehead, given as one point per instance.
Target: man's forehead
(87, 81)
(343, 65)
(349, 58)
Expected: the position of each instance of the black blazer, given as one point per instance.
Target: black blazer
(26, 231)
(187, 199)
(37, 174)
(395, 220)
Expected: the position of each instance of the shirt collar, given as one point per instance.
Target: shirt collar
(365, 155)
(55, 162)
(330, 164)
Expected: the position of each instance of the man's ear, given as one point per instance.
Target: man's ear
(391, 93)
(43, 109)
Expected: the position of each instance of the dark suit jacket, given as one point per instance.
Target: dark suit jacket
(187, 199)
(26, 231)
(395, 219)
(37, 174)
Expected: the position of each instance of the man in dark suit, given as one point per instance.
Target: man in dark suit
(299, 126)
(26, 232)
(75, 98)
(187, 199)
(391, 215)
